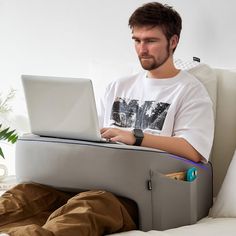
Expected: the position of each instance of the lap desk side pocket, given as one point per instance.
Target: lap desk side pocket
(134, 172)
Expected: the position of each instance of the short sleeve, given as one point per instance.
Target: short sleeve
(195, 120)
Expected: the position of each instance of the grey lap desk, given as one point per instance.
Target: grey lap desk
(134, 172)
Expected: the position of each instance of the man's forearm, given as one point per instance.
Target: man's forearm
(175, 145)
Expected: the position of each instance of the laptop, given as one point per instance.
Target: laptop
(61, 107)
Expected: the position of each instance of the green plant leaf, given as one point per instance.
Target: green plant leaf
(3, 134)
(1, 153)
(9, 135)
(13, 138)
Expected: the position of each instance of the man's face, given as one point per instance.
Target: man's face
(152, 47)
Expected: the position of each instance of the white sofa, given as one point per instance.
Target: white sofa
(222, 217)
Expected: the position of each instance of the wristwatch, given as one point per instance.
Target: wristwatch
(138, 134)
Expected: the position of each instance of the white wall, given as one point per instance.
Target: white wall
(63, 37)
(85, 38)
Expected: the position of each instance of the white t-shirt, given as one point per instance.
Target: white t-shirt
(177, 106)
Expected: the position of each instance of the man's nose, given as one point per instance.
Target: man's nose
(143, 47)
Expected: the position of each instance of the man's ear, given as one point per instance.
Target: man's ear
(174, 41)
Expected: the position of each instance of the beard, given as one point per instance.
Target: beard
(149, 62)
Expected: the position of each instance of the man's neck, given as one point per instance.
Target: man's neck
(167, 70)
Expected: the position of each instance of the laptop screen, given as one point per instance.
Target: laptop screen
(61, 107)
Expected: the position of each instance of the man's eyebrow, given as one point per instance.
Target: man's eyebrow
(146, 38)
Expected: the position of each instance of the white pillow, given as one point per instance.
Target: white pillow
(185, 65)
(224, 205)
(207, 76)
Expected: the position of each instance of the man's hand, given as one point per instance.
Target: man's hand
(118, 135)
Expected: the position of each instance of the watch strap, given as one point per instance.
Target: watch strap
(138, 134)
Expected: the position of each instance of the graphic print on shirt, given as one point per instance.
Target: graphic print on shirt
(131, 113)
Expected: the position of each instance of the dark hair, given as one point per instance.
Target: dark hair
(156, 14)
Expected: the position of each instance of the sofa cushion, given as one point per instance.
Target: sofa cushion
(207, 226)
(207, 76)
(224, 205)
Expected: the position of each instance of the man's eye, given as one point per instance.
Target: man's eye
(151, 41)
(136, 41)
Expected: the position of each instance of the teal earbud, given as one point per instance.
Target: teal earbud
(191, 174)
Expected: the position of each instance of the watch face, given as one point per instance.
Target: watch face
(138, 133)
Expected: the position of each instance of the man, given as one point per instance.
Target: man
(167, 109)
(163, 108)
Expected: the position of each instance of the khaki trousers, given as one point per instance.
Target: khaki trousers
(33, 209)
